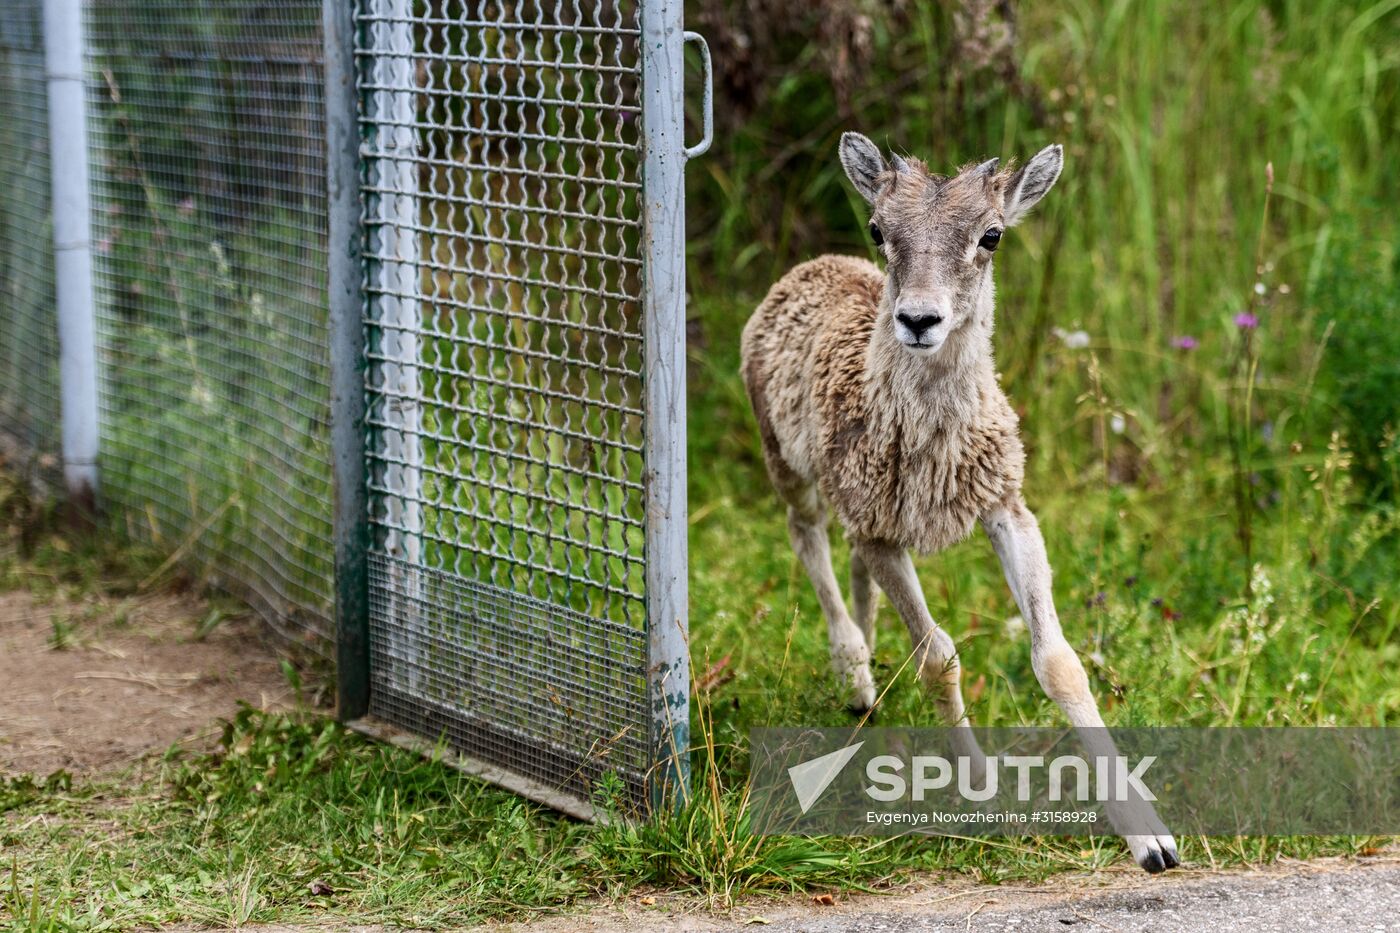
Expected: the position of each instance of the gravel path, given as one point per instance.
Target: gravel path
(1354, 900)
(1318, 897)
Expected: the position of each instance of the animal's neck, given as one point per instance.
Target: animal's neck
(920, 396)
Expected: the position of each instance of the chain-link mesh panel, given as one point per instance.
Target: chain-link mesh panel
(504, 280)
(29, 414)
(209, 245)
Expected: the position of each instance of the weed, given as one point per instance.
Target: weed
(25, 789)
(62, 631)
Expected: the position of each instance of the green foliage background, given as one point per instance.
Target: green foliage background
(1169, 114)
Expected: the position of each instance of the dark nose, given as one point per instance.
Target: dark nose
(917, 324)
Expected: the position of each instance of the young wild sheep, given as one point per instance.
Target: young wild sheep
(876, 396)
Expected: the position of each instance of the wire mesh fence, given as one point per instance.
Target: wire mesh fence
(517, 322)
(29, 389)
(208, 169)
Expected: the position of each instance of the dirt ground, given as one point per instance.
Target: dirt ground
(128, 678)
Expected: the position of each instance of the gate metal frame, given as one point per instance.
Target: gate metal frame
(664, 154)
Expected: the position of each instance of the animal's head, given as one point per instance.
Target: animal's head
(938, 233)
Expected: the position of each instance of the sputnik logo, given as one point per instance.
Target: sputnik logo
(811, 778)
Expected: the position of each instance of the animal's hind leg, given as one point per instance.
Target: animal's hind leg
(850, 653)
(864, 599)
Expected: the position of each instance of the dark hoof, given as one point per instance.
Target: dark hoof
(1154, 864)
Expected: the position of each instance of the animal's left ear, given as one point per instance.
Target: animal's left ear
(1031, 183)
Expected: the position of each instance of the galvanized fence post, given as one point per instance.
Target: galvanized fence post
(72, 239)
(347, 358)
(663, 233)
(396, 226)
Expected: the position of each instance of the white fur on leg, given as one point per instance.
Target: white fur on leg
(850, 655)
(850, 662)
(934, 652)
(1016, 538)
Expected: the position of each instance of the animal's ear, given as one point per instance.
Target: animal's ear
(863, 164)
(1032, 181)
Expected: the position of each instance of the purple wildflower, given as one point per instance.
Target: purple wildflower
(1185, 342)
(1246, 321)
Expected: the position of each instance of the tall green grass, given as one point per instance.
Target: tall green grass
(1169, 114)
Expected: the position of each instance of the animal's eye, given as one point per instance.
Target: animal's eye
(990, 239)
(876, 235)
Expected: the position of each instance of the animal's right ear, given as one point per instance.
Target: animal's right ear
(863, 164)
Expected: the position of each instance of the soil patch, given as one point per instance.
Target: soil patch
(89, 687)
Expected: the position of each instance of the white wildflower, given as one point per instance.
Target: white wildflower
(1263, 586)
(1072, 339)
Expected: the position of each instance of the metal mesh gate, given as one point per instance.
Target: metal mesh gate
(29, 414)
(515, 360)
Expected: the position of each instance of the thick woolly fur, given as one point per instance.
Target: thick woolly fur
(908, 448)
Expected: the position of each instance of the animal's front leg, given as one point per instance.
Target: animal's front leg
(935, 654)
(1017, 540)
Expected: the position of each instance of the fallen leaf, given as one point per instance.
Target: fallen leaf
(320, 888)
(761, 920)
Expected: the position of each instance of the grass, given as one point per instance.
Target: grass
(291, 818)
(1153, 459)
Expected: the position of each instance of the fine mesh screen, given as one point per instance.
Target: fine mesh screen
(505, 395)
(208, 164)
(29, 414)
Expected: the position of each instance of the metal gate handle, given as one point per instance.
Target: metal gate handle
(708, 101)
